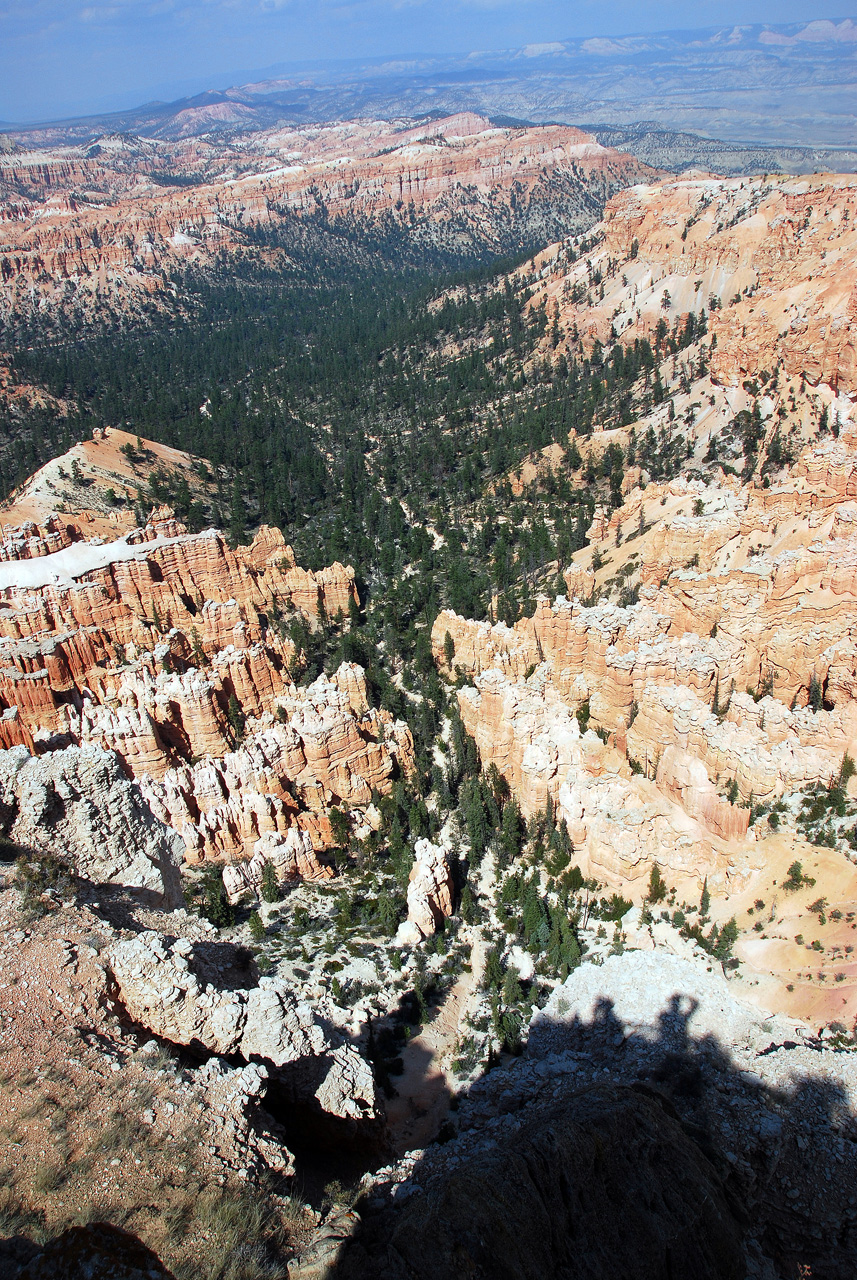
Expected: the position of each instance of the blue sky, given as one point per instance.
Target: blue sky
(60, 57)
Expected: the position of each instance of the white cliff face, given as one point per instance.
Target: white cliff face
(160, 990)
(79, 804)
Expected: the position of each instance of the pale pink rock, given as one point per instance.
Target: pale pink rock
(430, 890)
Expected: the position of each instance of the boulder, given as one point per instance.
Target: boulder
(79, 804)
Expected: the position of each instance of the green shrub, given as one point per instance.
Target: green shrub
(796, 878)
(215, 905)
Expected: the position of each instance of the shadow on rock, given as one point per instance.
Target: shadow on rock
(612, 1151)
(94, 1252)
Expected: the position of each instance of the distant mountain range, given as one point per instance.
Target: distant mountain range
(781, 86)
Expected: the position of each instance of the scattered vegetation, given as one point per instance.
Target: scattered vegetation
(43, 880)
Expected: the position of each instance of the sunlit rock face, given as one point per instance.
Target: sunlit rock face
(79, 805)
(431, 893)
(770, 259)
(741, 587)
(168, 649)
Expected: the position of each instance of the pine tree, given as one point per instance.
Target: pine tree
(388, 913)
(493, 970)
(196, 647)
(704, 901)
(216, 906)
(512, 993)
(257, 928)
(474, 814)
(236, 717)
(726, 940)
(467, 906)
(657, 885)
(510, 831)
(270, 886)
(550, 819)
(533, 916)
(340, 826)
(237, 516)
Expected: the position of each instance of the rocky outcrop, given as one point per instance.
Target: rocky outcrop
(292, 858)
(286, 774)
(161, 578)
(268, 1023)
(770, 260)
(79, 804)
(685, 778)
(29, 540)
(431, 893)
(654, 1119)
(619, 821)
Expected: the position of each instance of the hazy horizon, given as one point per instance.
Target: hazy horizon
(109, 55)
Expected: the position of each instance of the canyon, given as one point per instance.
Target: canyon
(696, 680)
(111, 224)
(561, 891)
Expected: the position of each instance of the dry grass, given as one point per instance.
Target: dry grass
(19, 1219)
(241, 1237)
(341, 1195)
(200, 1232)
(120, 1133)
(67, 1140)
(47, 1178)
(156, 1058)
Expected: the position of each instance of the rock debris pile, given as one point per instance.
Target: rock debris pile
(268, 1023)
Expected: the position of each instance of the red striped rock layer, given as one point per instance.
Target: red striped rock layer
(175, 579)
(30, 540)
(72, 627)
(165, 648)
